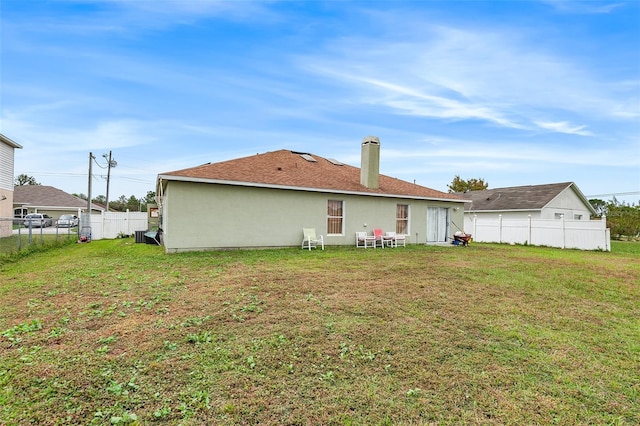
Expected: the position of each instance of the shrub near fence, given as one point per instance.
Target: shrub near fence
(561, 233)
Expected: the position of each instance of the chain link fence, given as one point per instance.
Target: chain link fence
(27, 236)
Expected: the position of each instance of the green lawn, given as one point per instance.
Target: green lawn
(113, 332)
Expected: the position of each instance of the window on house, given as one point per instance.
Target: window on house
(402, 219)
(558, 215)
(19, 213)
(577, 217)
(335, 217)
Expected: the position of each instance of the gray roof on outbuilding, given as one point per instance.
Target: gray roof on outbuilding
(529, 197)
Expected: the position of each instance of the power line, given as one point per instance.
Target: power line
(614, 194)
(131, 179)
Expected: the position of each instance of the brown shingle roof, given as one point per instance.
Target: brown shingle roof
(289, 169)
(531, 197)
(45, 196)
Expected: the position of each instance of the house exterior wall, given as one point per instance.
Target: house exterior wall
(202, 216)
(569, 204)
(6, 167)
(6, 189)
(6, 213)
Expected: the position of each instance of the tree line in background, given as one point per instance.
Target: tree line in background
(121, 204)
(124, 203)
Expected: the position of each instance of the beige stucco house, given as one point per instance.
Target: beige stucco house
(7, 149)
(265, 200)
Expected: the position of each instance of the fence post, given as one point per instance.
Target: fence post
(128, 219)
(606, 241)
(101, 224)
(500, 228)
(563, 231)
(529, 238)
(475, 226)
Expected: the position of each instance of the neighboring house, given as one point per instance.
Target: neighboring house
(553, 215)
(47, 199)
(265, 200)
(7, 148)
(551, 201)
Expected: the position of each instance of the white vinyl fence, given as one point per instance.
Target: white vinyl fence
(562, 233)
(109, 225)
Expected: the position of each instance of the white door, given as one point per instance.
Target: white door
(437, 224)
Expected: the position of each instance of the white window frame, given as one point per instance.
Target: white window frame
(408, 227)
(341, 217)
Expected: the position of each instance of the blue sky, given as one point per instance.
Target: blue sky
(514, 92)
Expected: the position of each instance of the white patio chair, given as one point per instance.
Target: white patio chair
(364, 240)
(310, 240)
(397, 239)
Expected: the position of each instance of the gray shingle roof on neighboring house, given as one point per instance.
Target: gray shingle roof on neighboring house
(45, 196)
(529, 197)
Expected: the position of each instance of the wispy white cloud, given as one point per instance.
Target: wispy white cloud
(564, 127)
(128, 18)
(50, 139)
(502, 75)
(448, 152)
(156, 82)
(584, 7)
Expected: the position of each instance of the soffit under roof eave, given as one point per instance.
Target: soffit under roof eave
(162, 178)
(9, 142)
(35, 206)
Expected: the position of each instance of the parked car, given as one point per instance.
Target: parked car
(67, 221)
(37, 220)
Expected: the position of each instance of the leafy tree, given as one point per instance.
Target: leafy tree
(133, 203)
(622, 219)
(461, 185)
(150, 198)
(599, 206)
(23, 179)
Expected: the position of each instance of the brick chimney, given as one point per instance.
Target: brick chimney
(370, 162)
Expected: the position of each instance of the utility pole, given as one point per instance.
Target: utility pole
(110, 163)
